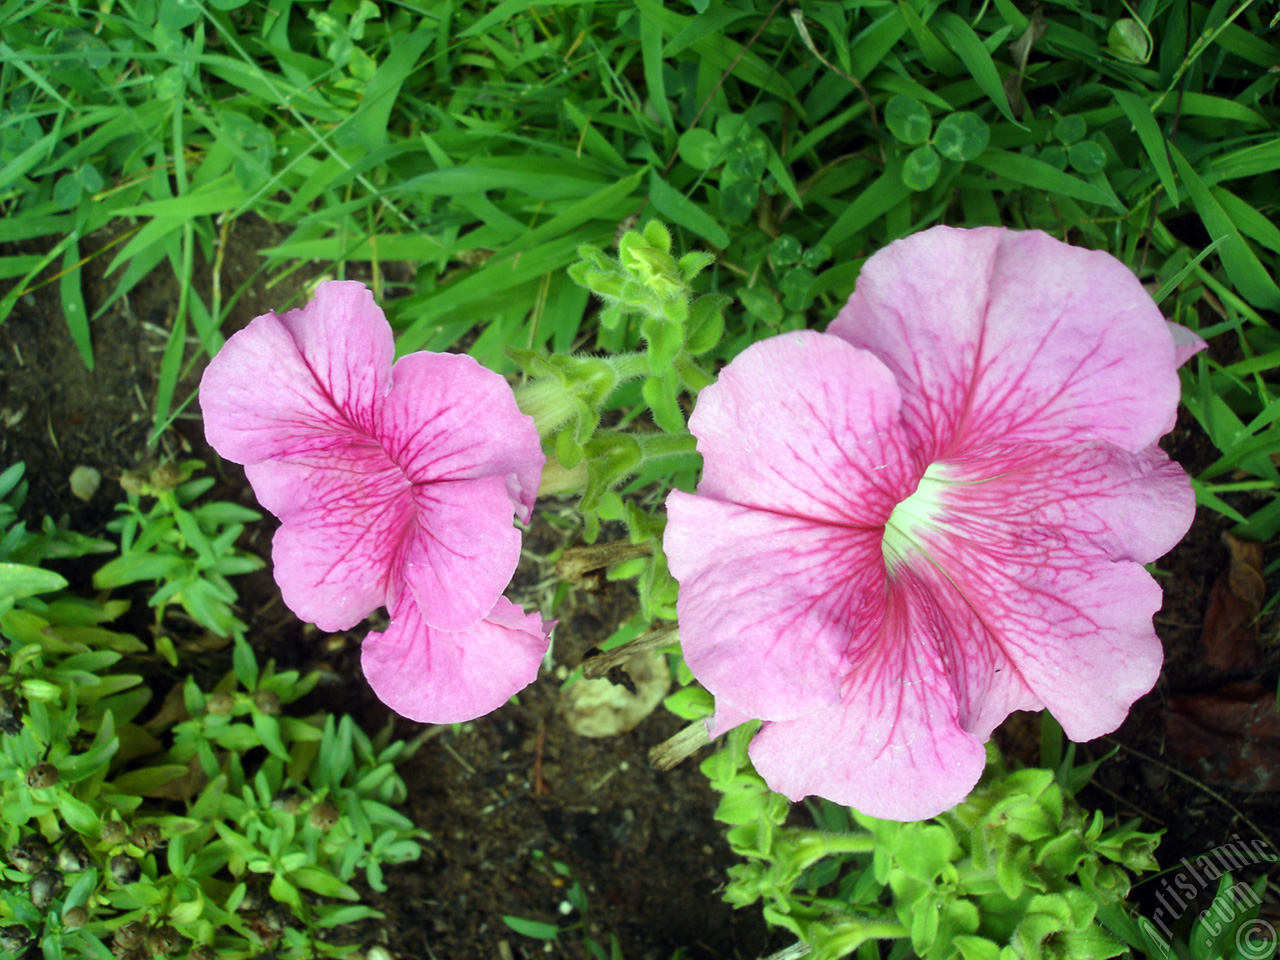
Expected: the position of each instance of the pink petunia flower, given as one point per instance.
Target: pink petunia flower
(395, 486)
(932, 515)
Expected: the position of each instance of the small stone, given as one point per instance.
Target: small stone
(85, 482)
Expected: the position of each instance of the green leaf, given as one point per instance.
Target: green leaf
(651, 56)
(320, 881)
(676, 207)
(977, 61)
(922, 168)
(379, 96)
(1148, 131)
(1070, 129)
(73, 309)
(532, 928)
(660, 393)
(1087, 156)
(908, 120)
(1040, 175)
(1240, 262)
(700, 149)
(134, 567)
(140, 783)
(1129, 41)
(871, 203)
(18, 580)
(961, 136)
(245, 664)
(177, 15)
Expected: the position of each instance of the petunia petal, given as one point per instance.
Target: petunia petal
(996, 335)
(1047, 552)
(1186, 343)
(300, 383)
(345, 518)
(893, 746)
(447, 418)
(461, 551)
(804, 425)
(771, 605)
(434, 676)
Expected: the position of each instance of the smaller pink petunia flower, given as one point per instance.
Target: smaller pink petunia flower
(395, 485)
(932, 515)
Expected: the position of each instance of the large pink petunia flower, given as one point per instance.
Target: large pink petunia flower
(395, 486)
(932, 515)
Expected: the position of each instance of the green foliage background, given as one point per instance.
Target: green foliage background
(485, 142)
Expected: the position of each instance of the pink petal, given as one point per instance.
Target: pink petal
(307, 381)
(354, 530)
(802, 424)
(996, 335)
(1186, 343)
(893, 747)
(771, 605)
(447, 418)
(1047, 552)
(345, 517)
(462, 551)
(433, 676)
(725, 719)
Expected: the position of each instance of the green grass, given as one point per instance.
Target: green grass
(486, 142)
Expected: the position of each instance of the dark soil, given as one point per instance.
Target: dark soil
(505, 796)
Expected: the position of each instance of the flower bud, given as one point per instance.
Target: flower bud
(166, 476)
(267, 701)
(114, 832)
(124, 869)
(42, 775)
(288, 799)
(75, 917)
(13, 937)
(147, 837)
(130, 935)
(164, 940)
(73, 857)
(133, 482)
(220, 704)
(45, 885)
(323, 815)
(29, 854)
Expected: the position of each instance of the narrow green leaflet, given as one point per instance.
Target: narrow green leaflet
(18, 580)
(969, 48)
(1241, 264)
(1031, 172)
(1148, 130)
(678, 208)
